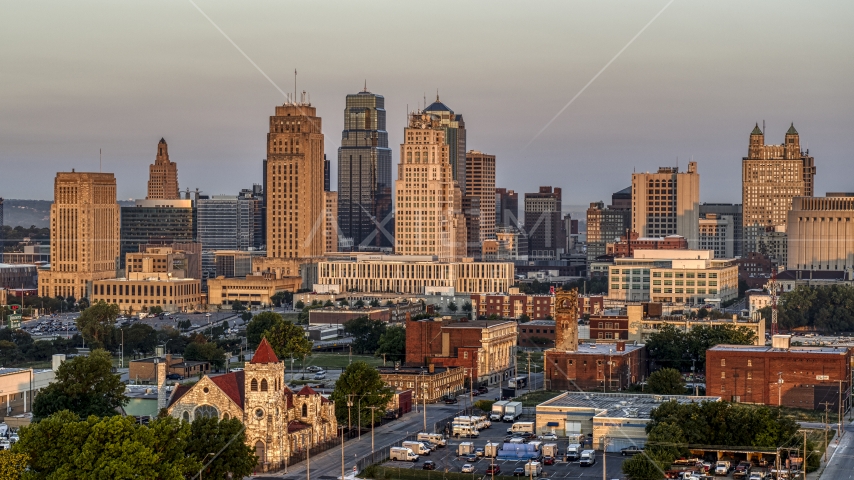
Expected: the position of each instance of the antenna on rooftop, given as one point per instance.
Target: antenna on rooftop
(763, 126)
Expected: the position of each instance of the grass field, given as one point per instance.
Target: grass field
(533, 399)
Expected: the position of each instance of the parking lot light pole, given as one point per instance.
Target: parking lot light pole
(604, 462)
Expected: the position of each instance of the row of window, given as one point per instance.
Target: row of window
(689, 291)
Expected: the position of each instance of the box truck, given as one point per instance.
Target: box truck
(465, 448)
(491, 449)
(433, 438)
(512, 411)
(403, 454)
(533, 469)
(573, 452)
(550, 450)
(417, 447)
(498, 410)
(521, 427)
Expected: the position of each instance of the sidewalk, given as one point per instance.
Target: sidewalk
(837, 466)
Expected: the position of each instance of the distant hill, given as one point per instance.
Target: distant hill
(26, 213)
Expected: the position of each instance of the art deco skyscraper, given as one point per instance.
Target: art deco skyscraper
(364, 173)
(667, 203)
(294, 182)
(84, 234)
(428, 213)
(455, 137)
(162, 176)
(771, 176)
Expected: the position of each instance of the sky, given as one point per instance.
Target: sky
(76, 77)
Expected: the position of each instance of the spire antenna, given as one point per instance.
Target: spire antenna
(366, 86)
(295, 86)
(437, 94)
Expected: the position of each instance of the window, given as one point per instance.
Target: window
(264, 385)
(206, 411)
(465, 354)
(186, 416)
(723, 389)
(723, 374)
(750, 375)
(304, 409)
(749, 363)
(601, 325)
(253, 386)
(601, 335)
(723, 362)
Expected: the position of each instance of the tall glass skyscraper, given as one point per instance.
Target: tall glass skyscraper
(364, 175)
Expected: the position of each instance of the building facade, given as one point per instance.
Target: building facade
(732, 210)
(611, 367)
(427, 384)
(629, 243)
(225, 222)
(820, 233)
(604, 226)
(536, 307)
(163, 176)
(506, 208)
(330, 222)
(429, 218)
(717, 234)
(156, 221)
(480, 183)
(544, 224)
(455, 138)
(667, 203)
(84, 234)
(364, 172)
(471, 213)
(18, 276)
(257, 290)
(771, 176)
(294, 188)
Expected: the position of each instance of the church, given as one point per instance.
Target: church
(278, 421)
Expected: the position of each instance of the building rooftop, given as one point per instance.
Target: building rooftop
(550, 323)
(796, 350)
(617, 405)
(605, 349)
(413, 370)
(476, 323)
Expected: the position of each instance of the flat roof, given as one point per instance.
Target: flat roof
(619, 405)
(474, 323)
(794, 350)
(413, 370)
(550, 323)
(605, 349)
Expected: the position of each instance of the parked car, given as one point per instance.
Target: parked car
(471, 458)
(741, 470)
(313, 368)
(428, 465)
(518, 472)
(493, 469)
(467, 468)
(174, 376)
(478, 452)
(548, 436)
(631, 450)
(483, 390)
(548, 460)
(450, 400)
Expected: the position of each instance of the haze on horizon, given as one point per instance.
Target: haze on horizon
(118, 76)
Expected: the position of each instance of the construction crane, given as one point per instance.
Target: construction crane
(773, 287)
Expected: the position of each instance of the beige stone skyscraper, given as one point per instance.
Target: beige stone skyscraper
(771, 176)
(667, 203)
(294, 183)
(480, 182)
(428, 201)
(163, 176)
(84, 234)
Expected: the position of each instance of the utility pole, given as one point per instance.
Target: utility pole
(342, 453)
(529, 371)
(780, 389)
(839, 415)
(604, 462)
(349, 416)
(308, 457)
(424, 397)
(826, 427)
(372, 432)
(804, 462)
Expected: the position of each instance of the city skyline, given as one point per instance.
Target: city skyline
(694, 62)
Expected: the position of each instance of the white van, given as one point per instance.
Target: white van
(417, 447)
(520, 427)
(588, 458)
(403, 455)
(533, 469)
(573, 452)
(320, 375)
(466, 431)
(433, 438)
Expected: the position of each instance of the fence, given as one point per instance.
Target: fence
(387, 473)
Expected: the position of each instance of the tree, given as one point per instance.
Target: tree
(452, 306)
(359, 304)
(388, 303)
(392, 343)
(85, 386)
(155, 310)
(646, 467)
(282, 297)
(12, 465)
(703, 337)
(96, 322)
(375, 303)
(259, 324)
(668, 347)
(211, 435)
(205, 352)
(702, 313)
(361, 384)
(344, 303)
(299, 305)
(288, 340)
(667, 381)
(141, 338)
(366, 333)
(467, 307)
(328, 304)
(246, 316)
(524, 318)
(238, 306)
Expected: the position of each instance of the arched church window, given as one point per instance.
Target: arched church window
(206, 411)
(186, 416)
(304, 409)
(253, 386)
(225, 416)
(264, 385)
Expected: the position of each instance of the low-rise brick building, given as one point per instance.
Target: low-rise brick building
(536, 307)
(537, 334)
(145, 370)
(799, 377)
(428, 383)
(606, 367)
(339, 316)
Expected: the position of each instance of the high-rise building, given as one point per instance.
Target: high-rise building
(480, 182)
(224, 222)
(156, 222)
(716, 234)
(604, 226)
(820, 233)
(506, 207)
(667, 203)
(84, 234)
(732, 210)
(2, 237)
(330, 223)
(364, 172)
(294, 188)
(455, 138)
(544, 224)
(622, 200)
(471, 212)
(163, 176)
(428, 214)
(771, 176)
(254, 198)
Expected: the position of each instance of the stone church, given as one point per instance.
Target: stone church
(278, 421)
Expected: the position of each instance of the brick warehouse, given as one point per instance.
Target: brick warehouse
(609, 367)
(752, 374)
(486, 346)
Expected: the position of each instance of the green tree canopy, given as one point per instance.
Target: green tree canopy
(85, 386)
(96, 323)
(238, 306)
(666, 381)
(452, 306)
(141, 338)
(205, 352)
(288, 340)
(671, 347)
(361, 384)
(392, 343)
(366, 333)
(210, 435)
(299, 305)
(263, 322)
(12, 465)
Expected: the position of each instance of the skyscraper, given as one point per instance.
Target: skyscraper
(455, 138)
(667, 203)
(728, 209)
(544, 224)
(156, 222)
(364, 172)
(506, 207)
(771, 176)
(224, 222)
(428, 213)
(84, 234)
(163, 176)
(294, 188)
(604, 225)
(480, 182)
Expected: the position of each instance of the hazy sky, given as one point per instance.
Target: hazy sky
(118, 75)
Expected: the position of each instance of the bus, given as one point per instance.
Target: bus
(518, 382)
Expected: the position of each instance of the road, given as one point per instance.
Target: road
(840, 465)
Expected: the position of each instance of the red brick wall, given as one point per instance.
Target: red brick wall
(424, 345)
(528, 331)
(575, 370)
(619, 328)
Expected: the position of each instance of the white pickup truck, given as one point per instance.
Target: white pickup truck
(722, 467)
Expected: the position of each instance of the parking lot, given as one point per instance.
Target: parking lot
(446, 458)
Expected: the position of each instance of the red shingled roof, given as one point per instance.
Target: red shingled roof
(232, 384)
(264, 353)
(306, 391)
(178, 392)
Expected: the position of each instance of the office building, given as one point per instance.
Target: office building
(628, 244)
(255, 289)
(225, 222)
(472, 215)
(428, 216)
(667, 203)
(2, 236)
(622, 200)
(32, 254)
(162, 262)
(480, 183)
(191, 253)
(235, 263)
(773, 243)
(84, 234)
(254, 198)
(604, 226)
(506, 208)
(536, 307)
(18, 276)
(771, 176)
(732, 210)
(413, 274)
(455, 137)
(717, 234)
(294, 188)
(156, 222)
(163, 176)
(544, 224)
(820, 233)
(364, 172)
(427, 385)
(330, 222)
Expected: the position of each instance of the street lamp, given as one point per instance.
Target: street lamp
(203, 464)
